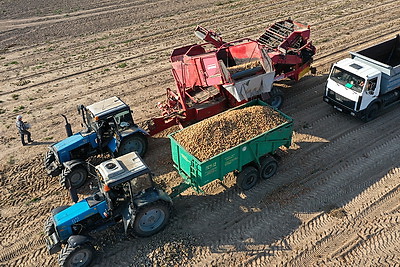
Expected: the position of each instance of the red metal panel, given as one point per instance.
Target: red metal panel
(212, 71)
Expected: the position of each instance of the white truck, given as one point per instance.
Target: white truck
(366, 83)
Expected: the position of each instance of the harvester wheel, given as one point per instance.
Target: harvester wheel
(276, 99)
(49, 158)
(81, 255)
(49, 226)
(247, 178)
(151, 219)
(76, 176)
(268, 167)
(136, 142)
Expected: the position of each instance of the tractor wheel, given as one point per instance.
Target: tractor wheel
(247, 178)
(276, 99)
(49, 227)
(136, 142)
(151, 219)
(81, 255)
(76, 176)
(371, 113)
(268, 167)
(49, 158)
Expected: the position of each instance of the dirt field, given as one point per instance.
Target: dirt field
(334, 200)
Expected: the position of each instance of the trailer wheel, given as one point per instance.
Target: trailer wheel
(49, 227)
(247, 178)
(276, 99)
(76, 176)
(151, 219)
(268, 167)
(371, 113)
(81, 255)
(136, 142)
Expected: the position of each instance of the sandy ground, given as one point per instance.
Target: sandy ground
(334, 200)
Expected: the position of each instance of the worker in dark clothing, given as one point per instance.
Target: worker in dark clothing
(23, 130)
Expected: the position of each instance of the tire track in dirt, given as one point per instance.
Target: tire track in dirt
(306, 231)
(14, 24)
(358, 225)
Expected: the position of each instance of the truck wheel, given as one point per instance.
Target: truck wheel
(136, 142)
(371, 113)
(247, 178)
(151, 219)
(49, 158)
(76, 176)
(276, 99)
(268, 167)
(81, 255)
(49, 226)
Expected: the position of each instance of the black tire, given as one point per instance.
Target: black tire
(276, 99)
(76, 176)
(49, 228)
(371, 113)
(49, 158)
(151, 219)
(268, 168)
(136, 142)
(81, 255)
(247, 178)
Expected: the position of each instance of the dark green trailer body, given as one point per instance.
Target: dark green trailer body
(197, 173)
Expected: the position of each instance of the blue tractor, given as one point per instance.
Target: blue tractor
(126, 194)
(109, 128)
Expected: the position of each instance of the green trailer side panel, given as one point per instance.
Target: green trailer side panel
(197, 174)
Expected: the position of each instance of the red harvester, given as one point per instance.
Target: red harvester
(211, 79)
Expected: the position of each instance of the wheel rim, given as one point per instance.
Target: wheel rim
(250, 181)
(77, 177)
(81, 258)
(269, 170)
(151, 220)
(132, 145)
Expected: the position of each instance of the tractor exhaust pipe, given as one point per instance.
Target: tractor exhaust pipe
(68, 127)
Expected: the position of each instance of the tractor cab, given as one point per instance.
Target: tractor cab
(123, 179)
(126, 194)
(111, 113)
(109, 128)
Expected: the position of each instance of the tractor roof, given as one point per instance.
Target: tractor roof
(107, 106)
(122, 169)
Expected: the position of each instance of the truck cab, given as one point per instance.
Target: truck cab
(126, 194)
(366, 83)
(108, 128)
(352, 86)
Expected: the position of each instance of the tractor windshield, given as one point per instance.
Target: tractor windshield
(123, 120)
(140, 183)
(348, 79)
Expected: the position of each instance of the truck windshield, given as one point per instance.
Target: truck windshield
(348, 79)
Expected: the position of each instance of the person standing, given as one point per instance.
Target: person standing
(23, 130)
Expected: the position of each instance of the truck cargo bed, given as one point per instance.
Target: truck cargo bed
(384, 57)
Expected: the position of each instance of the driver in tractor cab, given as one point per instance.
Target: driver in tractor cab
(104, 132)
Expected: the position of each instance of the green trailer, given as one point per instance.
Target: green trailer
(250, 160)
